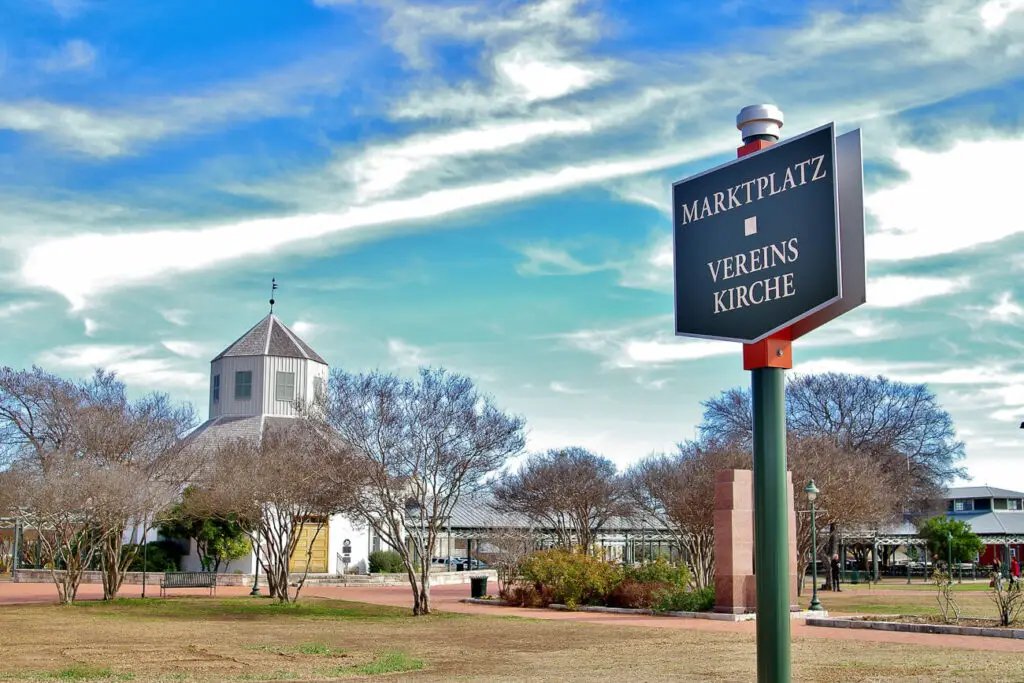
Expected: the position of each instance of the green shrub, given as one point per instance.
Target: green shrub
(678, 599)
(386, 562)
(573, 579)
(637, 595)
(159, 556)
(659, 571)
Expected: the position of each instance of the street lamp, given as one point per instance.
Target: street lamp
(812, 495)
(256, 570)
(949, 554)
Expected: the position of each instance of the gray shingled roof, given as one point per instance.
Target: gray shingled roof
(271, 337)
(997, 523)
(962, 492)
(478, 512)
(205, 439)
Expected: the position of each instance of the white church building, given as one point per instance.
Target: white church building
(254, 383)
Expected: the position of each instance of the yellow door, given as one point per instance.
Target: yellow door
(317, 549)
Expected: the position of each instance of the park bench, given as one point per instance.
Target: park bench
(189, 580)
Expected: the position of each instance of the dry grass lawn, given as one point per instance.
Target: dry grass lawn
(899, 598)
(210, 639)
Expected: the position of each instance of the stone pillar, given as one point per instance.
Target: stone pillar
(735, 587)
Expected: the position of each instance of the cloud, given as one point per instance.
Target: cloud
(91, 327)
(176, 316)
(952, 200)
(74, 55)
(563, 388)
(1006, 310)
(12, 309)
(134, 364)
(120, 130)
(304, 328)
(544, 259)
(897, 291)
(878, 64)
(405, 355)
(995, 12)
(186, 349)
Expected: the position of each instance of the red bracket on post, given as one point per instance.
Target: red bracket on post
(777, 350)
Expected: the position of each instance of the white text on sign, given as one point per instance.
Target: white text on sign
(753, 261)
(806, 171)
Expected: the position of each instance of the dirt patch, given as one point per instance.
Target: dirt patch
(215, 639)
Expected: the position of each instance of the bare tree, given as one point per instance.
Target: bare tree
(52, 427)
(416, 447)
(139, 445)
(571, 491)
(513, 547)
(58, 504)
(276, 487)
(854, 493)
(36, 414)
(898, 425)
(678, 490)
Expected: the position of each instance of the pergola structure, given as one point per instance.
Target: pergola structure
(475, 519)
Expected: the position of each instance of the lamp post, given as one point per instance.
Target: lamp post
(949, 554)
(812, 495)
(256, 570)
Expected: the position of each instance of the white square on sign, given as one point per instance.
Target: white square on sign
(750, 226)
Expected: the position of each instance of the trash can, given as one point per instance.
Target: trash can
(478, 586)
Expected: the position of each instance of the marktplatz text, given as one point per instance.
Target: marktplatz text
(753, 261)
(807, 171)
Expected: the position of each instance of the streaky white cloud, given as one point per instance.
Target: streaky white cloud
(91, 327)
(81, 266)
(563, 388)
(995, 12)
(383, 169)
(546, 259)
(120, 131)
(406, 355)
(942, 207)
(304, 328)
(897, 291)
(134, 364)
(176, 316)
(187, 349)
(14, 308)
(74, 55)
(1006, 309)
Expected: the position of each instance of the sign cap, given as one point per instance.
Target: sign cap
(759, 121)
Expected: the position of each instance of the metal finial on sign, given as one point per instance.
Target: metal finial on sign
(759, 122)
(273, 288)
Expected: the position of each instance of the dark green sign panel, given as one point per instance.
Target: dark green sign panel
(756, 241)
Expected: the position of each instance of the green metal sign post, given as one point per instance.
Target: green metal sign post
(767, 249)
(771, 525)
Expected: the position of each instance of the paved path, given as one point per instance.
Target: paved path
(446, 599)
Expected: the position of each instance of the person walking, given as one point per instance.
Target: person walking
(1014, 571)
(835, 573)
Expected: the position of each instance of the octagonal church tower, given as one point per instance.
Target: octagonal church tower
(264, 372)
(255, 384)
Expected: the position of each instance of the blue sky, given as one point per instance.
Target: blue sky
(486, 186)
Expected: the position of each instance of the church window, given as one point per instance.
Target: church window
(216, 388)
(285, 386)
(243, 385)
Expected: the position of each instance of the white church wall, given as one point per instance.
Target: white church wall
(275, 364)
(192, 563)
(340, 529)
(226, 368)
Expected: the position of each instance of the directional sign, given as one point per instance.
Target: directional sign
(756, 241)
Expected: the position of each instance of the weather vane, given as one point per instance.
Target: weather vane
(273, 288)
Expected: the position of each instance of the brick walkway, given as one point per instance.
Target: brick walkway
(446, 599)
